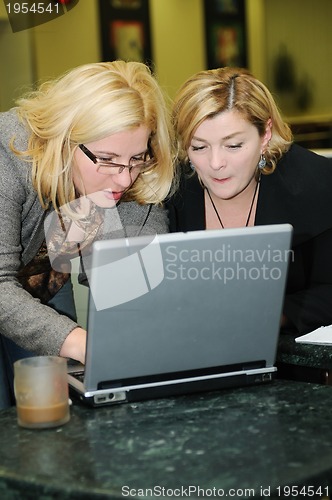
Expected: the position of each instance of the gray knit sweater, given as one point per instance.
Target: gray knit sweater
(24, 319)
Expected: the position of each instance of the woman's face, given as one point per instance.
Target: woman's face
(106, 190)
(225, 151)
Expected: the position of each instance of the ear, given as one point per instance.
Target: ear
(267, 135)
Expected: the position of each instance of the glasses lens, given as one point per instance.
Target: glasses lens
(110, 168)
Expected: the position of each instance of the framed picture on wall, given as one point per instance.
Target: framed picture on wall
(125, 30)
(225, 33)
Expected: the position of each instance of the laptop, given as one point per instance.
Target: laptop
(182, 312)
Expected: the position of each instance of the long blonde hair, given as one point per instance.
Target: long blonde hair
(86, 104)
(211, 92)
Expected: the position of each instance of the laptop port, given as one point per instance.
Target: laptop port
(100, 399)
(109, 398)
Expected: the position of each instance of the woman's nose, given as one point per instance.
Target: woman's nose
(217, 160)
(125, 178)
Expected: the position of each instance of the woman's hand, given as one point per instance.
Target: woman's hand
(74, 345)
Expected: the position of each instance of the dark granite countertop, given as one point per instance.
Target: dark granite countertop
(236, 440)
(310, 355)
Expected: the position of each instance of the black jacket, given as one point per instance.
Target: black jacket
(298, 193)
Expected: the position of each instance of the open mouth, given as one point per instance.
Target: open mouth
(113, 195)
(221, 181)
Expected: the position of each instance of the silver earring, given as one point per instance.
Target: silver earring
(192, 166)
(262, 162)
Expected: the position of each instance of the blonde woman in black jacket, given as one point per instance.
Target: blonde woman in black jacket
(241, 168)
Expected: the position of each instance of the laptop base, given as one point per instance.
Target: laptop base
(132, 395)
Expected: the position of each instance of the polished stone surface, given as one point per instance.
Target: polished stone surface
(275, 435)
(309, 355)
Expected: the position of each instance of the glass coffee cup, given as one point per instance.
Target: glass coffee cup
(41, 392)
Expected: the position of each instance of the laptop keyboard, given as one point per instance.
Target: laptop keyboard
(78, 375)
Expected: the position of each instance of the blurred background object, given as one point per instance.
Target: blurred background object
(285, 44)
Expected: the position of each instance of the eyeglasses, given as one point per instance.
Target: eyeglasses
(105, 166)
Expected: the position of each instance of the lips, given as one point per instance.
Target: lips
(113, 195)
(221, 181)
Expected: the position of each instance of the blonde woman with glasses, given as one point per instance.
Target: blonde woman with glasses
(91, 144)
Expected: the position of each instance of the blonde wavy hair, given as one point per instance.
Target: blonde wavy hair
(210, 92)
(86, 104)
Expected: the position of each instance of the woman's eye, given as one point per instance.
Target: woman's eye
(197, 148)
(107, 159)
(234, 146)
